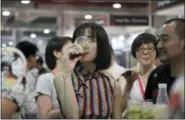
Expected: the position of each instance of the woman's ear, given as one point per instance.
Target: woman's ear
(56, 54)
(182, 44)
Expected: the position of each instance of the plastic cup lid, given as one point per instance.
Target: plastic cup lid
(162, 85)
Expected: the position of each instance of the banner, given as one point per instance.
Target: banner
(129, 20)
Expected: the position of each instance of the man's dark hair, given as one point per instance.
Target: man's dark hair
(179, 29)
(55, 43)
(143, 38)
(27, 48)
(104, 51)
(40, 60)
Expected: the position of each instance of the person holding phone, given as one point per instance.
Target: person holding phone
(144, 50)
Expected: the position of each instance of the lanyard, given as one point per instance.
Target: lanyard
(141, 86)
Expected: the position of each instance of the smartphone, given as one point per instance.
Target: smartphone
(127, 73)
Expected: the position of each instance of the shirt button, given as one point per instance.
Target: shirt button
(155, 75)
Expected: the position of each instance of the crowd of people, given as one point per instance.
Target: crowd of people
(83, 81)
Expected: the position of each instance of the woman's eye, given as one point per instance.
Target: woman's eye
(164, 40)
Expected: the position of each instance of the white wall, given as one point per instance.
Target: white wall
(124, 29)
(113, 30)
(175, 10)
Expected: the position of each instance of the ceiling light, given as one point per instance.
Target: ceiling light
(10, 43)
(3, 45)
(121, 37)
(6, 13)
(33, 35)
(46, 31)
(88, 17)
(25, 1)
(116, 5)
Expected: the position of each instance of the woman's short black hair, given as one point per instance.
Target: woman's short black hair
(27, 48)
(55, 43)
(104, 51)
(143, 38)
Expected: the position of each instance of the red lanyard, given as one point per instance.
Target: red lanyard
(141, 86)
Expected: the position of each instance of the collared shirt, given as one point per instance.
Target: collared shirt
(160, 75)
(94, 93)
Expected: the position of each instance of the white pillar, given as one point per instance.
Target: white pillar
(59, 24)
(150, 13)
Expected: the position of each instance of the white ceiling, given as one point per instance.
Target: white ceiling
(175, 10)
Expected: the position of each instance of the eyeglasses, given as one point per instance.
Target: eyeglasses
(83, 39)
(142, 49)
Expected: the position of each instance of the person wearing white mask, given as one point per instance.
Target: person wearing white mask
(13, 63)
(19, 95)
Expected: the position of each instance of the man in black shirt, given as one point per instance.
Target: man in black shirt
(171, 53)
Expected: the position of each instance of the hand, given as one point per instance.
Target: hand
(68, 64)
(131, 76)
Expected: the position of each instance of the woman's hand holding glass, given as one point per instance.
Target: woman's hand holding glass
(74, 52)
(70, 57)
